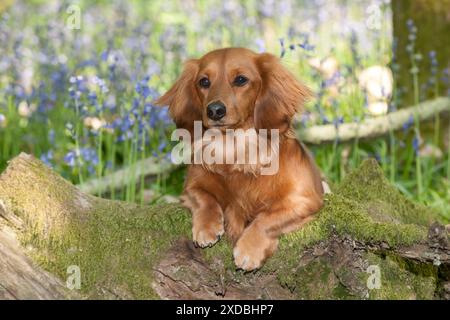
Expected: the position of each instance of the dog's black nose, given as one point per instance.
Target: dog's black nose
(216, 111)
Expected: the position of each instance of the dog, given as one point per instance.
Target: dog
(236, 88)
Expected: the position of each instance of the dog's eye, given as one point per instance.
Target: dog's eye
(204, 83)
(240, 81)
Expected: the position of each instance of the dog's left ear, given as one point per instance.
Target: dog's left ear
(281, 95)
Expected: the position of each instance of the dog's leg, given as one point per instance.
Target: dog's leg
(207, 217)
(234, 223)
(260, 239)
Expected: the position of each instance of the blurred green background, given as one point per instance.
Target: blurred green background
(77, 80)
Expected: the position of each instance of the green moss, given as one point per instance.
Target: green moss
(401, 281)
(222, 251)
(117, 248)
(326, 284)
(369, 186)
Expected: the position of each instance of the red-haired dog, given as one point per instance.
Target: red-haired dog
(235, 88)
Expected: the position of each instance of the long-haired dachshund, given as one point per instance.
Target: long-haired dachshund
(235, 88)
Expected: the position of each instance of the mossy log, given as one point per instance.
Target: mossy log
(127, 251)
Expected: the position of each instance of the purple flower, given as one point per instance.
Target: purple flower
(47, 157)
(408, 124)
(104, 55)
(51, 136)
(70, 158)
(338, 121)
(261, 45)
(143, 89)
(89, 155)
(283, 49)
(416, 144)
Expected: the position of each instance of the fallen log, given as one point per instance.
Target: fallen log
(373, 127)
(122, 177)
(127, 251)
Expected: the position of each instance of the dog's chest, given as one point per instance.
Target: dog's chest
(248, 194)
(246, 152)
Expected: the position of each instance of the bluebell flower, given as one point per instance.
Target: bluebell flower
(89, 155)
(104, 55)
(432, 54)
(70, 158)
(51, 136)
(411, 26)
(260, 45)
(325, 119)
(148, 107)
(91, 169)
(416, 144)
(143, 89)
(47, 158)
(92, 96)
(408, 124)
(157, 153)
(305, 45)
(410, 23)
(283, 49)
(305, 118)
(338, 121)
(126, 123)
(377, 157)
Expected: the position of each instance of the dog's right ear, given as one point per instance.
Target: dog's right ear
(182, 98)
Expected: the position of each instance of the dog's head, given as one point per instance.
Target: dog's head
(235, 88)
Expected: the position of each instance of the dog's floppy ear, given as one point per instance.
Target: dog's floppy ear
(182, 98)
(280, 97)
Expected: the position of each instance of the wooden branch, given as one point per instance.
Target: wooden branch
(373, 127)
(124, 176)
(126, 251)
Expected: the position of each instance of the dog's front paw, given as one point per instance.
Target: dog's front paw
(207, 236)
(252, 249)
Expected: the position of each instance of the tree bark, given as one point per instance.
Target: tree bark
(126, 251)
(20, 278)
